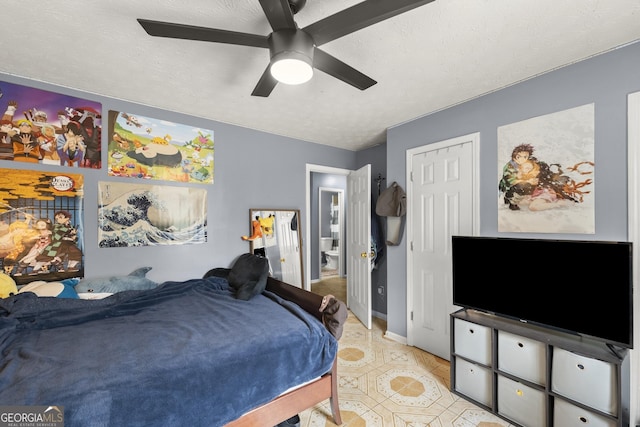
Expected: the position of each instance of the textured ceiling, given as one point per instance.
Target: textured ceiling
(427, 59)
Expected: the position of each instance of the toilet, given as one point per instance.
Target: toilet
(329, 254)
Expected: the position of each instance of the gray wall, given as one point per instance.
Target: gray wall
(248, 174)
(605, 80)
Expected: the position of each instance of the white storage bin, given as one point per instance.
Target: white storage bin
(472, 341)
(588, 381)
(521, 403)
(473, 381)
(567, 415)
(522, 357)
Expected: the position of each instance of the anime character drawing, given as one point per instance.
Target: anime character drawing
(29, 258)
(36, 137)
(62, 253)
(15, 239)
(25, 144)
(529, 181)
(70, 145)
(87, 117)
(48, 145)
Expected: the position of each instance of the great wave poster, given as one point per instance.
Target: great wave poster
(150, 215)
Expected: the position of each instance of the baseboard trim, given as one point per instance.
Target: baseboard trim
(395, 337)
(379, 315)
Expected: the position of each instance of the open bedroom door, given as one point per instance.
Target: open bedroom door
(359, 244)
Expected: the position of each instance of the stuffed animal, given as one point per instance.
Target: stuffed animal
(257, 230)
(261, 227)
(7, 286)
(136, 280)
(267, 225)
(62, 289)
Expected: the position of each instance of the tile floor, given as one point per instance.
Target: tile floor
(383, 383)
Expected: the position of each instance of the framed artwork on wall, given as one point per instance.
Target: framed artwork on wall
(546, 173)
(44, 127)
(41, 225)
(148, 148)
(131, 214)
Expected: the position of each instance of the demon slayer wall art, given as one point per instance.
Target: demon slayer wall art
(44, 127)
(546, 173)
(142, 147)
(150, 215)
(41, 225)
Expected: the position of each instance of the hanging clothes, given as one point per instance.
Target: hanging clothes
(392, 203)
(377, 242)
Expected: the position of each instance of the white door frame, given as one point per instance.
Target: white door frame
(633, 206)
(307, 241)
(474, 138)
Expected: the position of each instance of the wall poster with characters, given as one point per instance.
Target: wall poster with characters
(44, 127)
(150, 215)
(41, 225)
(143, 147)
(546, 173)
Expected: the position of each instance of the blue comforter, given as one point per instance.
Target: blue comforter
(184, 354)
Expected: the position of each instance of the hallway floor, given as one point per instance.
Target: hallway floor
(383, 383)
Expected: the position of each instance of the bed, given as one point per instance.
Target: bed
(185, 353)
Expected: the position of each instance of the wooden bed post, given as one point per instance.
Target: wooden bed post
(333, 400)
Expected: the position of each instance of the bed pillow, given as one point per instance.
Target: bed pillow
(334, 314)
(217, 272)
(62, 289)
(7, 286)
(248, 276)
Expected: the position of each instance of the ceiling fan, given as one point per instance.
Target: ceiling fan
(294, 51)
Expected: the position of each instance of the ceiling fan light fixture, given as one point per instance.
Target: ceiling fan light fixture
(291, 56)
(291, 68)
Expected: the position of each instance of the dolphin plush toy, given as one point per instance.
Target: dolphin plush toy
(136, 280)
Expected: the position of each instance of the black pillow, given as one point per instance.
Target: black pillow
(248, 276)
(217, 272)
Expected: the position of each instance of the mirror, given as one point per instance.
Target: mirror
(330, 221)
(275, 234)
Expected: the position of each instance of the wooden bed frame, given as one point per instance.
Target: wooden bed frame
(293, 402)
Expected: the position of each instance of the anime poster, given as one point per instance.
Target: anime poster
(546, 172)
(142, 147)
(150, 215)
(44, 127)
(41, 225)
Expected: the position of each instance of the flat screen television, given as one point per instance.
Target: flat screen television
(580, 287)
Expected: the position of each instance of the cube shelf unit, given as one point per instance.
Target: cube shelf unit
(533, 376)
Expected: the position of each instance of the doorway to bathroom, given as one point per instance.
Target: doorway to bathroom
(331, 232)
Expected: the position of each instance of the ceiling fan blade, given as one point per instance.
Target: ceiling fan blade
(190, 32)
(359, 16)
(338, 69)
(266, 84)
(279, 14)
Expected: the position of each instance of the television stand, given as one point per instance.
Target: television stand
(538, 377)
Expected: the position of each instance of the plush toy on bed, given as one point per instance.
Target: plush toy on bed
(7, 286)
(136, 280)
(61, 289)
